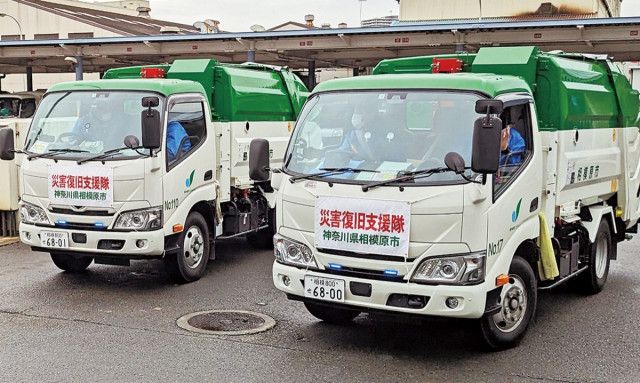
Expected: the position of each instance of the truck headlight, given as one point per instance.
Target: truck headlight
(140, 220)
(34, 215)
(461, 270)
(292, 253)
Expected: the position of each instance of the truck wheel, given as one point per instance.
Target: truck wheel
(506, 328)
(592, 281)
(69, 263)
(263, 239)
(189, 263)
(333, 315)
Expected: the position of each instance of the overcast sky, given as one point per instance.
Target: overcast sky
(239, 15)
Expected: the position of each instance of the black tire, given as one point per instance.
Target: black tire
(70, 263)
(501, 332)
(592, 281)
(331, 314)
(263, 239)
(189, 263)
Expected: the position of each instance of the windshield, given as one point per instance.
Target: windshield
(83, 124)
(382, 134)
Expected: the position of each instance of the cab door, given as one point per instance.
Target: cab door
(189, 152)
(517, 188)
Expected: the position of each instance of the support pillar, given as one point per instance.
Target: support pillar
(311, 81)
(251, 56)
(29, 78)
(79, 68)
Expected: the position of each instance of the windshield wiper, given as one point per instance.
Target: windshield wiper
(329, 172)
(109, 153)
(54, 152)
(406, 176)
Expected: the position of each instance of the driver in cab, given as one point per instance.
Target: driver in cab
(375, 135)
(512, 147)
(98, 125)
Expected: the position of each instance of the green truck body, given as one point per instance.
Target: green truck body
(572, 91)
(245, 92)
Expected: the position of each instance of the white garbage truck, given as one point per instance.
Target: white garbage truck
(152, 163)
(458, 186)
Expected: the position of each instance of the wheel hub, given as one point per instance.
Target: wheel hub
(193, 247)
(514, 306)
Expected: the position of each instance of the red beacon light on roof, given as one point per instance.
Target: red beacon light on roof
(153, 73)
(446, 65)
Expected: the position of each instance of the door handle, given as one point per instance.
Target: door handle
(534, 205)
(208, 175)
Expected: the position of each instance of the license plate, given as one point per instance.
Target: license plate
(326, 289)
(54, 240)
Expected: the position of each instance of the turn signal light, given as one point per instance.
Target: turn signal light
(502, 280)
(178, 228)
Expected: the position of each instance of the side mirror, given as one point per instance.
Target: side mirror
(455, 162)
(151, 129)
(7, 144)
(150, 102)
(259, 162)
(485, 158)
(131, 142)
(488, 106)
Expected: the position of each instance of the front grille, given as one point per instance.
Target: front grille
(91, 213)
(366, 274)
(375, 257)
(81, 226)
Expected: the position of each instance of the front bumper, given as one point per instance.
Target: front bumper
(155, 241)
(472, 298)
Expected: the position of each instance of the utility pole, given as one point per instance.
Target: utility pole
(361, 4)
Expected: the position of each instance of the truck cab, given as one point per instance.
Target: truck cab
(20, 105)
(450, 186)
(152, 163)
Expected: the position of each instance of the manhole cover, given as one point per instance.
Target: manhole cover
(226, 322)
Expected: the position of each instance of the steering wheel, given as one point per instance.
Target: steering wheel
(69, 138)
(430, 162)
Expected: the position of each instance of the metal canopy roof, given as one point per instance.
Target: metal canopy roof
(353, 47)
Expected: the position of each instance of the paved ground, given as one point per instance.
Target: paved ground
(118, 324)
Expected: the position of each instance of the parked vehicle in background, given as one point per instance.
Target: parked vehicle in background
(20, 104)
(458, 186)
(152, 162)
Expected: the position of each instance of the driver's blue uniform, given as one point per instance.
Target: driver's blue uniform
(175, 135)
(351, 143)
(516, 148)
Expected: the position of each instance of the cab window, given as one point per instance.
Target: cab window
(186, 130)
(516, 145)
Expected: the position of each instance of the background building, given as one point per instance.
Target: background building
(425, 10)
(379, 22)
(62, 19)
